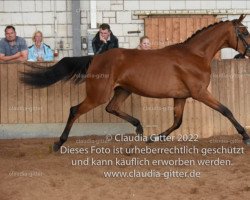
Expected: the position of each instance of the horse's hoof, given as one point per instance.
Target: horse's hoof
(149, 140)
(247, 142)
(56, 147)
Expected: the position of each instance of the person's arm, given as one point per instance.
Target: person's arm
(100, 50)
(23, 51)
(4, 58)
(97, 48)
(49, 56)
(98, 45)
(24, 55)
(116, 44)
(31, 56)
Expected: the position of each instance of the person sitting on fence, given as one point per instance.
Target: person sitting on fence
(13, 47)
(39, 51)
(144, 43)
(104, 40)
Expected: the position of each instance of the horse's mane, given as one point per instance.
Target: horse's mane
(205, 28)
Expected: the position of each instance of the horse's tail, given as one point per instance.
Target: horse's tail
(74, 68)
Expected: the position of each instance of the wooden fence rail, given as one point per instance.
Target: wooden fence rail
(230, 83)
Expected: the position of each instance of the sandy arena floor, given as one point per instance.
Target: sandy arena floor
(31, 171)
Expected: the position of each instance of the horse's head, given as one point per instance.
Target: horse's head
(241, 41)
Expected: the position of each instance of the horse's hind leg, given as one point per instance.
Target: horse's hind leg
(120, 95)
(75, 112)
(179, 105)
(206, 98)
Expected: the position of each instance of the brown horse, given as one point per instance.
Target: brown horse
(177, 71)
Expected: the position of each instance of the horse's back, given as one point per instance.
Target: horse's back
(153, 73)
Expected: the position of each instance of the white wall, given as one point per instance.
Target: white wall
(53, 18)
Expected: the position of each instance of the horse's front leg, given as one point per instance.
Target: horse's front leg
(206, 98)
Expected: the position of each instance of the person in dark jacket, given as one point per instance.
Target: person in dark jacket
(104, 40)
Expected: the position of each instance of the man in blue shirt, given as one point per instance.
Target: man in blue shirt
(12, 47)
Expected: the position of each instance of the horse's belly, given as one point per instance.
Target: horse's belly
(173, 90)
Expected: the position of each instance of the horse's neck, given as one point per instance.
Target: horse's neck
(207, 43)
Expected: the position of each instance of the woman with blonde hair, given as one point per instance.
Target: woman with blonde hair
(39, 51)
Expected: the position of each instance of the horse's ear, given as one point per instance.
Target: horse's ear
(241, 18)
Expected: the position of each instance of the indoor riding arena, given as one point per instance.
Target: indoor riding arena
(106, 157)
